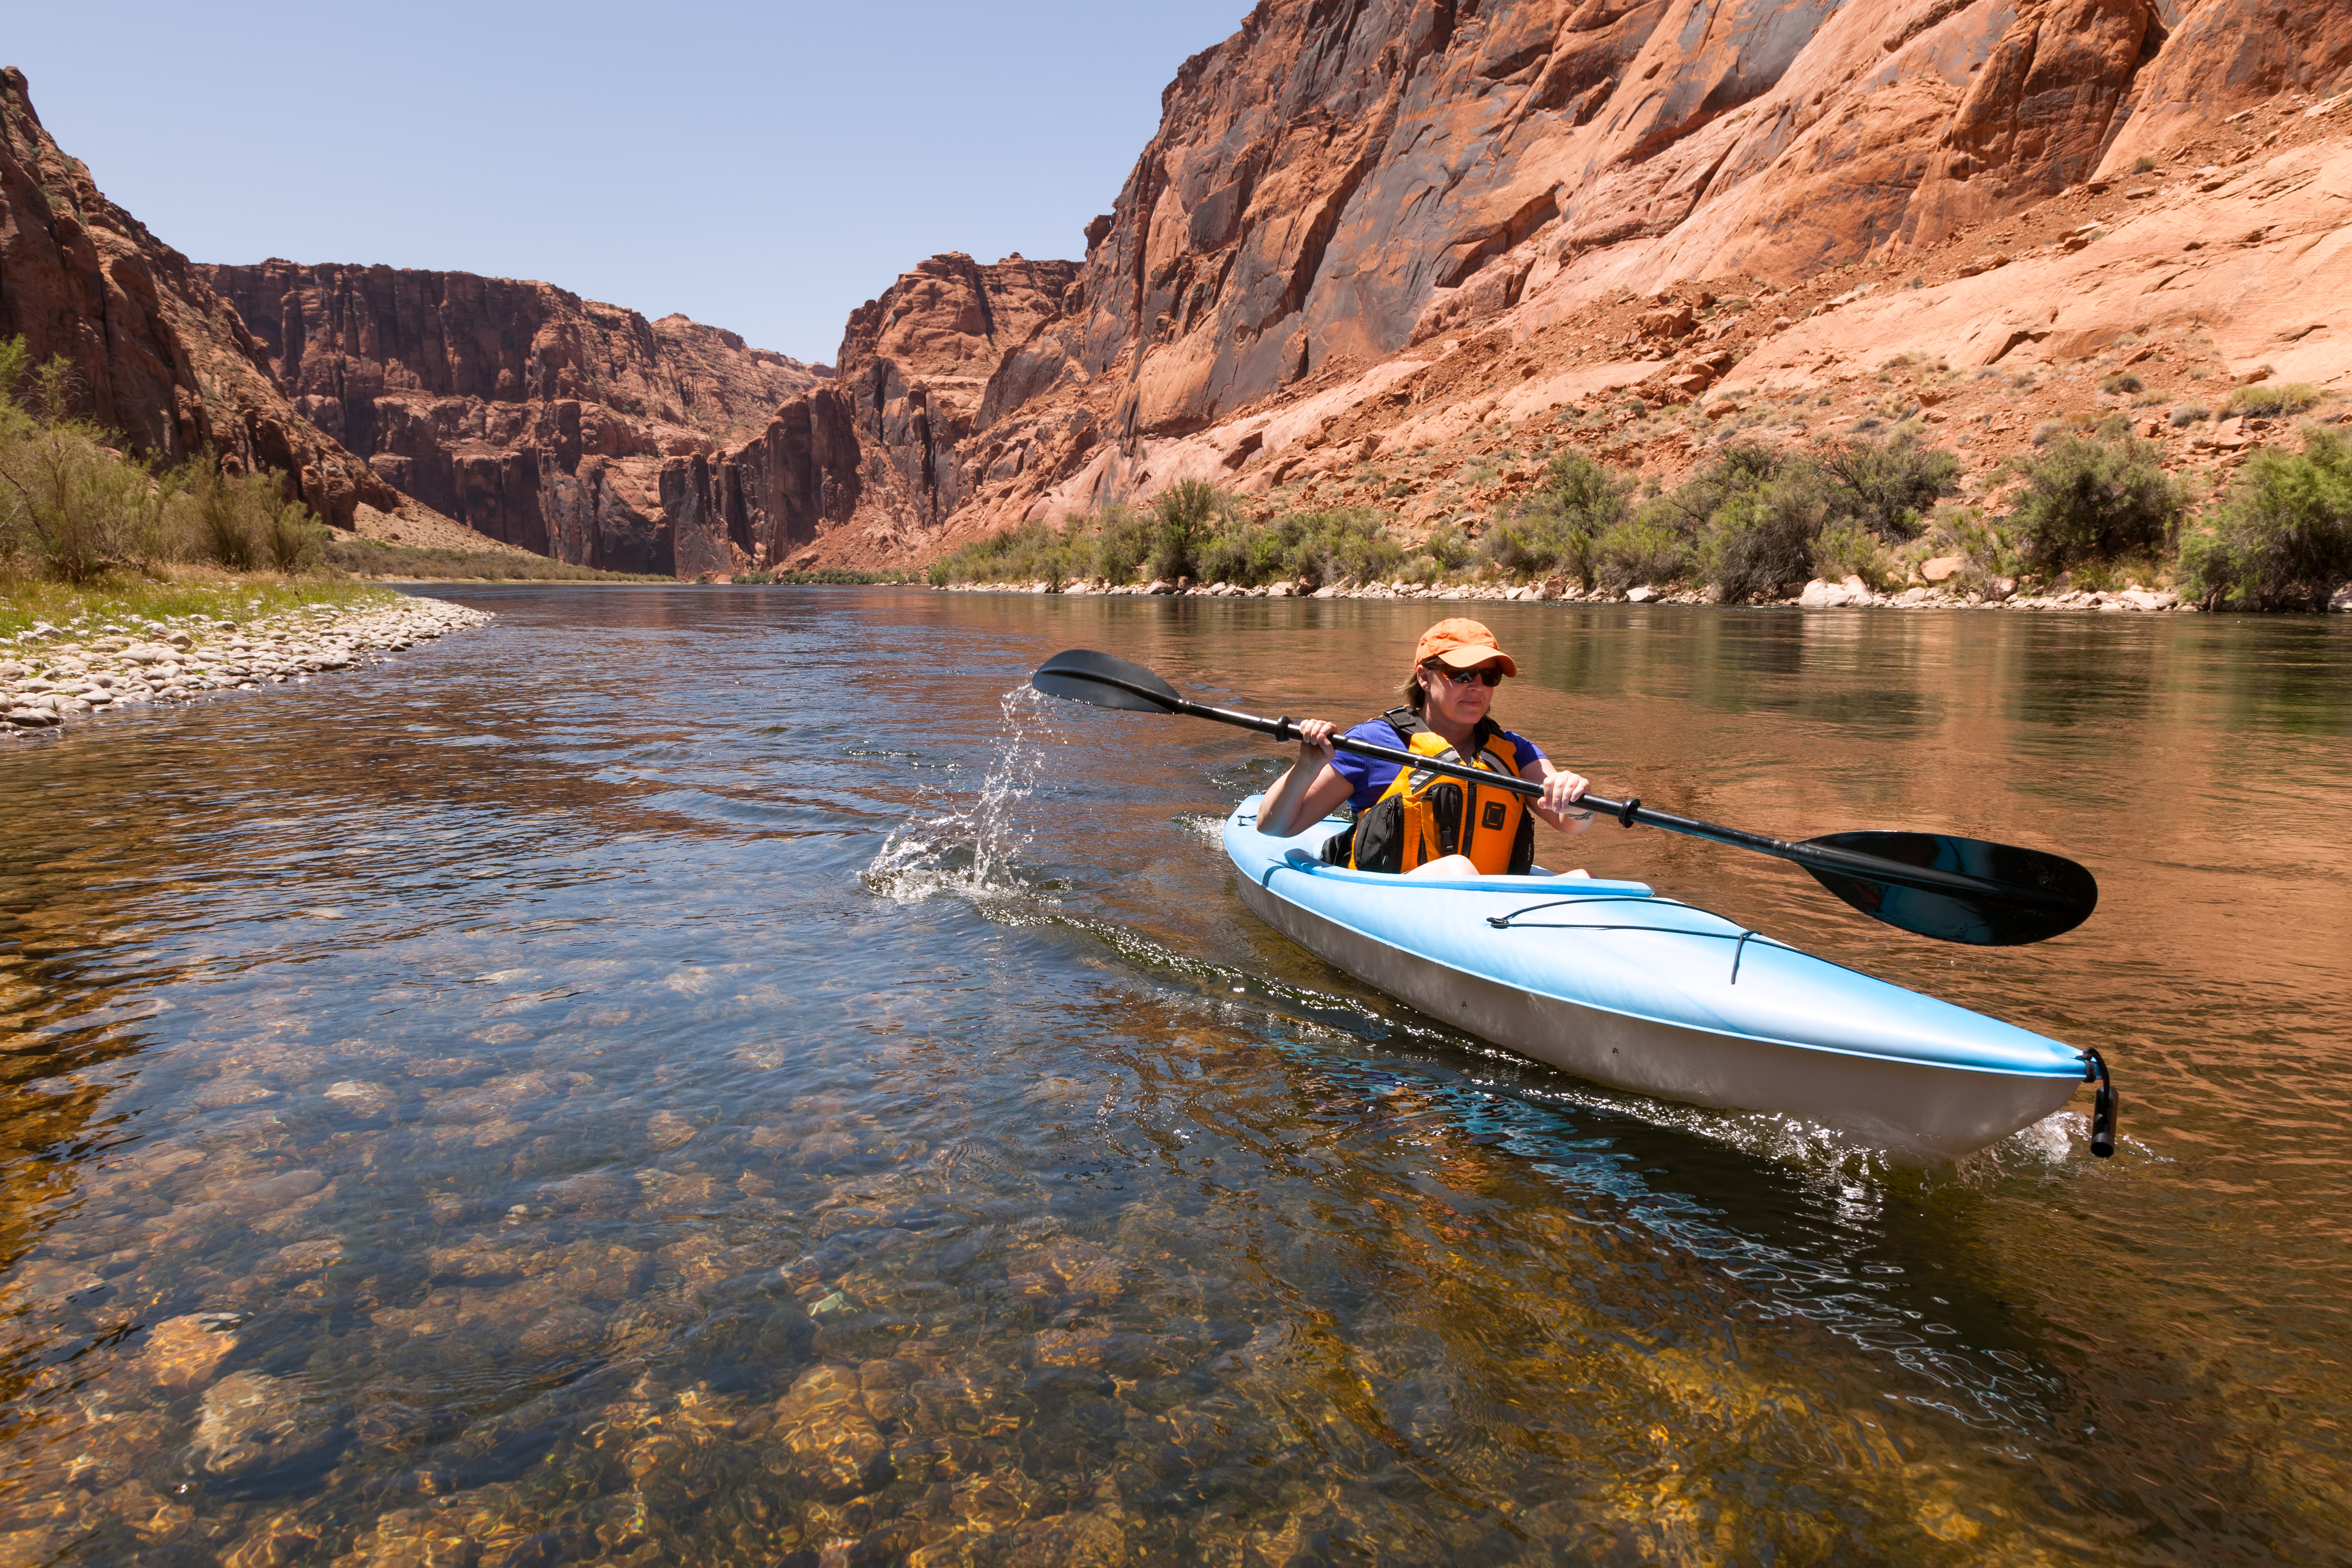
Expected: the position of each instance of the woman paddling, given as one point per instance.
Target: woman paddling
(1425, 824)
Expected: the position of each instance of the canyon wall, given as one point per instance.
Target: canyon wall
(159, 355)
(1343, 180)
(1338, 195)
(875, 461)
(533, 415)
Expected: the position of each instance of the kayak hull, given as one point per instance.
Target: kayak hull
(1611, 983)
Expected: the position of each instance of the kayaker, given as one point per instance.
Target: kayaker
(1425, 824)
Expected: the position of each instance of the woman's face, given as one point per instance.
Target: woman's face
(1458, 702)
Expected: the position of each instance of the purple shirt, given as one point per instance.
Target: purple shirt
(1371, 777)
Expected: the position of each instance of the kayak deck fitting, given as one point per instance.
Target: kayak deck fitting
(1611, 982)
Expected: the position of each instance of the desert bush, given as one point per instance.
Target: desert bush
(1887, 487)
(1760, 540)
(242, 521)
(2122, 383)
(1026, 552)
(1122, 543)
(1967, 532)
(1648, 547)
(1558, 527)
(1842, 549)
(2188, 414)
(2087, 500)
(1184, 517)
(1443, 554)
(2282, 537)
(2268, 401)
(70, 505)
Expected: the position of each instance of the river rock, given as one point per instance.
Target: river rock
(837, 1450)
(365, 1100)
(252, 1424)
(183, 1353)
(1820, 595)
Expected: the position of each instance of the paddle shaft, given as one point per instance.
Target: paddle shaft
(1813, 857)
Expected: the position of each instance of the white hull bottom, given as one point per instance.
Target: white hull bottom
(1917, 1113)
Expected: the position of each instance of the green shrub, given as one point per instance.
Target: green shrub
(1966, 531)
(2087, 500)
(2282, 537)
(1185, 517)
(1760, 540)
(1122, 544)
(1212, 542)
(2188, 414)
(1026, 552)
(2265, 402)
(1887, 487)
(1649, 547)
(1446, 552)
(2121, 383)
(1844, 550)
(1557, 529)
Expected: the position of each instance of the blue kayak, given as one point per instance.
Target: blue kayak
(1613, 983)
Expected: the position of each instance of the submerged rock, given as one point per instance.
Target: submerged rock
(252, 1424)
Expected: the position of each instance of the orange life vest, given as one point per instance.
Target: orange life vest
(1422, 816)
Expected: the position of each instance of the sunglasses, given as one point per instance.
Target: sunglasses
(1486, 675)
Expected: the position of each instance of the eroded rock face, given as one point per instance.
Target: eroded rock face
(164, 360)
(1329, 188)
(535, 416)
(883, 444)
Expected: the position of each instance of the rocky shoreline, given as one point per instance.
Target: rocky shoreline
(1852, 593)
(61, 677)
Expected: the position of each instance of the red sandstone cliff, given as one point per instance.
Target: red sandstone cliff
(1345, 181)
(532, 415)
(870, 466)
(1344, 195)
(165, 359)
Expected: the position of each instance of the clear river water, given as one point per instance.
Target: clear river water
(717, 1075)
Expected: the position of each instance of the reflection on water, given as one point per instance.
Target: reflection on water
(722, 1076)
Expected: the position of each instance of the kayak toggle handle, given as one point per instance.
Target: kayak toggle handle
(1626, 811)
(2103, 1105)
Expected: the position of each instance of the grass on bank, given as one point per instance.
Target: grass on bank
(375, 558)
(2093, 509)
(125, 605)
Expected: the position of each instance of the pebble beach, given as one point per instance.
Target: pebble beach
(55, 676)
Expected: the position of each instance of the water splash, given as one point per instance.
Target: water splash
(975, 849)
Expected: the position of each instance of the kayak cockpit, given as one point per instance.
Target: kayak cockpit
(1303, 851)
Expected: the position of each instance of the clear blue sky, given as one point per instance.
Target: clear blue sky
(765, 168)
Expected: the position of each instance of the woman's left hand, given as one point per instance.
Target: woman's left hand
(1562, 790)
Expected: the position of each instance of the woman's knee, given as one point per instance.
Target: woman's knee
(1449, 868)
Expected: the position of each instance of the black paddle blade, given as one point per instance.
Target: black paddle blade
(1084, 675)
(2053, 894)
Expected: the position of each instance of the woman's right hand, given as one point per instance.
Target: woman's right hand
(1315, 740)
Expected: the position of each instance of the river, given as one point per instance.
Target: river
(724, 1075)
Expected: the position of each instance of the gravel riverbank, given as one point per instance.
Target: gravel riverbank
(59, 675)
(1818, 595)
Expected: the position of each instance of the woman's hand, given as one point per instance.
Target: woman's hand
(1563, 790)
(1312, 788)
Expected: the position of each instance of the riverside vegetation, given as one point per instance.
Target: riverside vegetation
(2091, 510)
(123, 582)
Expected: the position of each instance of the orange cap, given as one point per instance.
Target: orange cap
(1463, 645)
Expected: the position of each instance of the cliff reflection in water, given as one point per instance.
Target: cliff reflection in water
(506, 1107)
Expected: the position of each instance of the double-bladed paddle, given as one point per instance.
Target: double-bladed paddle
(1936, 884)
